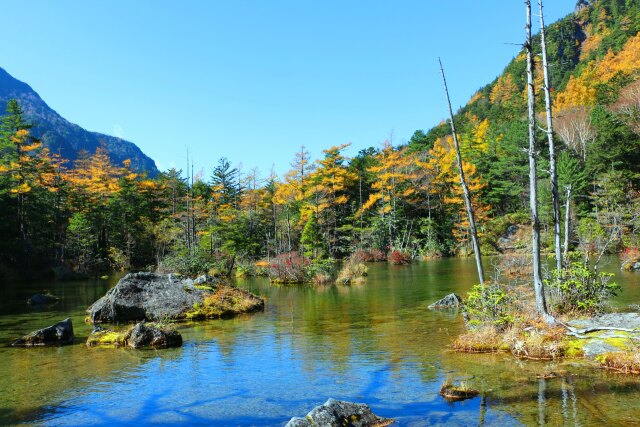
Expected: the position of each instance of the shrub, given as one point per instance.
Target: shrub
(352, 271)
(377, 255)
(397, 257)
(321, 271)
(515, 266)
(579, 289)
(245, 269)
(262, 268)
(374, 255)
(489, 304)
(289, 268)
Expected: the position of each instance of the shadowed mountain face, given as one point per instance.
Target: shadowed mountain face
(64, 137)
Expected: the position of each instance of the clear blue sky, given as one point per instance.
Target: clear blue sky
(254, 80)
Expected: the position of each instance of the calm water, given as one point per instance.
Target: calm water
(376, 343)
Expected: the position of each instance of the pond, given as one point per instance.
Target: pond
(375, 343)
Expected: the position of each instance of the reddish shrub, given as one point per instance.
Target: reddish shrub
(288, 268)
(377, 255)
(374, 255)
(397, 257)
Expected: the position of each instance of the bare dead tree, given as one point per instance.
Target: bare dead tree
(575, 129)
(552, 150)
(541, 303)
(567, 227)
(463, 183)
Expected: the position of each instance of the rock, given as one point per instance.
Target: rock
(611, 320)
(58, 334)
(151, 335)
(336, 413)
(140, 335)
(150, 296)
(450, 301)
(205, 278)
(597, 347)
(631, 265)
(42, 299)
(595, 339)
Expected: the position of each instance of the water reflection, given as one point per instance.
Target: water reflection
(375, 343)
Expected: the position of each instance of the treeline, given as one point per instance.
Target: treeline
(94, 215)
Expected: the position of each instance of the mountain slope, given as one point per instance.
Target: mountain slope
(64, 137)
(594, 56)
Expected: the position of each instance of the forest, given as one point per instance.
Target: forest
(402, 201)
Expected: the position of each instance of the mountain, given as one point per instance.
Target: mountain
(64, 137)
(594, 57)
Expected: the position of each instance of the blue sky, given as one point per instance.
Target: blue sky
(254, 80)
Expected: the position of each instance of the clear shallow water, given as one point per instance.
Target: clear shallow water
(376, 343)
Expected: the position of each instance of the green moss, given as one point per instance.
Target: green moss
(208, 288)
(573, 348)
(107, 338)
(618, 342)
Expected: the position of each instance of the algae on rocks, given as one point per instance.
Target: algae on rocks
(140, 335)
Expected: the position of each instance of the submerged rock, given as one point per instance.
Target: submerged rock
(42, 299)
(150, 296)
(140, 335)
(58, 334)
(450, 301)
(337, 413)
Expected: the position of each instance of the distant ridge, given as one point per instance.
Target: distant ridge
(64, 137)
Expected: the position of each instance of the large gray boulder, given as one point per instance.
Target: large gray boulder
(58, 334)
(450, 301)
(337, 413)
(151, 296)
(145, 296)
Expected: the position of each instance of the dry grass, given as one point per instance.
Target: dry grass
(626, 362)
(515, 266)
(542, 342)
(486, 339)
(537, 345)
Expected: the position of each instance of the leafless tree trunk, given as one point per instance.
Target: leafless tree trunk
(567, 228)
(541, 302)
(463, 183)
(552, 149)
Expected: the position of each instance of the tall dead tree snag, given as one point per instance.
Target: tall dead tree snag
(465, 188)
(552, 150)
(541, 302)
(567, 228)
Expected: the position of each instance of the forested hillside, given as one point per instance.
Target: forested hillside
(405, 199)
